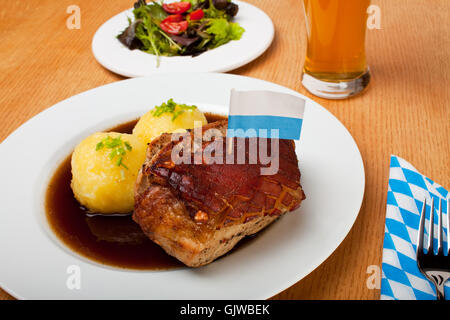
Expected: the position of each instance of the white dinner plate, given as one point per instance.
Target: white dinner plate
(34, 262)
(113, 55)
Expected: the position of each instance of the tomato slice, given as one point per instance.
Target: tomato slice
(173, 18)
(197, 14)
(177, 7)
(174, 27)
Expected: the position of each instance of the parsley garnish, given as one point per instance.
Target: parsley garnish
(171, 107)
(118, 149)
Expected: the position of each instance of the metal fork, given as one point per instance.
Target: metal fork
(436, 267)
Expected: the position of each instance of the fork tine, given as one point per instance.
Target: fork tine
(440, 250)
(431, 228)
(421, 229)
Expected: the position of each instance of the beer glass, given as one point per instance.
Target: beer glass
(335, 65)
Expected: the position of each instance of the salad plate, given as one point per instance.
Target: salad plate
(113, 55)
(36, 264)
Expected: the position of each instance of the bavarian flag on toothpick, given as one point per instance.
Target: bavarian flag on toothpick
(265, 114)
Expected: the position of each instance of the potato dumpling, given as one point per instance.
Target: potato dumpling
(104, 171)
(167, 118)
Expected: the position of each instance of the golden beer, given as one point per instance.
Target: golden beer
(335, 65)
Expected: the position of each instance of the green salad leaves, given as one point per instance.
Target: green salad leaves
(181, 28)
(224, 31)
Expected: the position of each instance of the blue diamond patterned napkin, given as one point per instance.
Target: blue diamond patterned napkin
(401, 278)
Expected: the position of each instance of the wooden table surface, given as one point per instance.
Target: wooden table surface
(404, 112)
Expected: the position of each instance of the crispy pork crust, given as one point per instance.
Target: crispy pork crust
(198, 212)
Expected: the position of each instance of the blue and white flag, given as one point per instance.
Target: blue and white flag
(265, 114)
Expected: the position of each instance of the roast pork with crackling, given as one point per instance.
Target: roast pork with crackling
(198, 212)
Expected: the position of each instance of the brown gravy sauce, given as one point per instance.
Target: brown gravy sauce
(114, 240)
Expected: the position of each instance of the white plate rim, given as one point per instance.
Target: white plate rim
(226, 77)
(263, 42)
